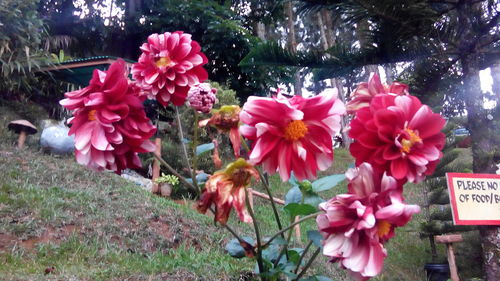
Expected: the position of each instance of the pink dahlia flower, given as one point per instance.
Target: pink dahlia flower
(365, 92)
(226, 189)
(399, 135)
(109, 122)
(356, 225)
(201, 97)
(292, 134)
(169, 64)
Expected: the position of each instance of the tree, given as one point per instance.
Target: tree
(444, 39)
(21, 53)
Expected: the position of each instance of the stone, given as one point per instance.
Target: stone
(55, 139)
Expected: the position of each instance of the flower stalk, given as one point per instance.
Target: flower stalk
(186, 156)
(309, 263)
(257, 234)
(290, 227)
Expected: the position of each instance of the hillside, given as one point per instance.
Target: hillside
(60, 221)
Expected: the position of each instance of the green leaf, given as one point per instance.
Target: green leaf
(293, 180)
(294, 195)
(234, 248)
(294, 254)
(296, 209)
(278, 241)
(271, 253)
(315, 237)
(327, 182)
(313, 199)
(204, 148)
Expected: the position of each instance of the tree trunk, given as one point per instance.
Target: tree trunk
(482, 127)
(484, 150)
(389, 74)
(292, 44)
(361, 29)
(495, 73)
(328, 40)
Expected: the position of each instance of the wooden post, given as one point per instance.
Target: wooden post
(449, 240)
(156, 167)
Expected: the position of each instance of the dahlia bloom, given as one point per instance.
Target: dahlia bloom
(227, 120)
(356, 225)
(169, 64)
(226, 189)
(109, 122)
(365, 92)
(215, 155)
(201, 97)
(399, 135)
(292, 134)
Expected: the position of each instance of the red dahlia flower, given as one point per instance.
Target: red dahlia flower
(169, 64)
(109, 122)
(226, 189)
(227, 119)
(356, 225)
(365, 92)
(399, 135)
(292, 134)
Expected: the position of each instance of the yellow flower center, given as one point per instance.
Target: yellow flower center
(238, 171)
(227, 117)
(408, 143)
(163, 61)
(295, 130)
(383, 228)
(92, 114)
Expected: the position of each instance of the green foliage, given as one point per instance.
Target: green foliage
(297, 209)
(21, 34)
(170, 179)
(225, 95)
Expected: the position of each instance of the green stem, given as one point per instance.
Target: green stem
(194, 161)
(257, 235)
(290, 226)
(284, 249)
(229, 229)
(181, 136)
(309, 263)
(302, 256)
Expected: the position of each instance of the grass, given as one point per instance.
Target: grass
(97, 226)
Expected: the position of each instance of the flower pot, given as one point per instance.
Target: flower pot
(165, 189)
(437, 271)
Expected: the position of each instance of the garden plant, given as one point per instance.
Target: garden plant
(397, 140)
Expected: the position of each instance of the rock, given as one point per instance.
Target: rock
(134, 177)
(55, 138)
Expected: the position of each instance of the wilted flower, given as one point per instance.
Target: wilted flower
(201, 97)
(399, 135)
(215, 155)
(292, 134)
(365, 92)
(227, 120)
(356, 225)
(226, 189)
(169, 64)
(109, 122)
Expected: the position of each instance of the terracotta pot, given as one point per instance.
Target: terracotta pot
(165, 189)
